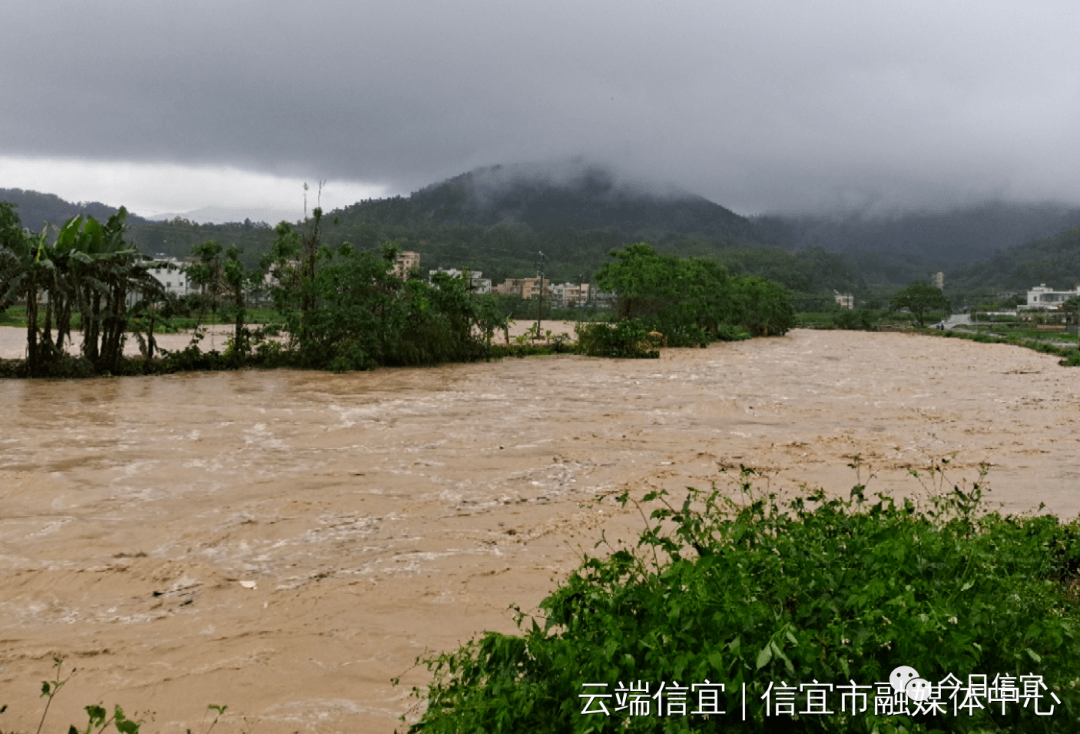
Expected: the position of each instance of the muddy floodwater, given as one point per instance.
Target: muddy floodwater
(285, 542)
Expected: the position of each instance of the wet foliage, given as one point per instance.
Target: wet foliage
(755, 590)
(693, 301)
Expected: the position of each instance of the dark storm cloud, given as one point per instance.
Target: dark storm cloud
(755, 105)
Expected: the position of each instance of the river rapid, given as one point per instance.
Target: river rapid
(286, 542)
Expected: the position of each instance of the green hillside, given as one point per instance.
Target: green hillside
(1054, 261)
(35, 209)
(500, 219)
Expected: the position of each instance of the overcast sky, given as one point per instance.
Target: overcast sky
(758, 105)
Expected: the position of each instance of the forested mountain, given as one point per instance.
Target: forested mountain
(500, 219)
(575, 196)
(36, 209)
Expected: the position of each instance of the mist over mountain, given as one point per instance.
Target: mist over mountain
(571, 194)
(224, 215)
(499, 219)
(1054, 261)
(952, 238)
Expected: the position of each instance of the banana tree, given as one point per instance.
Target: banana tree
(102, 271)
(27, 272)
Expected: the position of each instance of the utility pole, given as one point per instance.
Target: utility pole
(540, 300)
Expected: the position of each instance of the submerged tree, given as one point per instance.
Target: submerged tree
(90, 271)
(692, 300)
(104, 271)
(24, 268)
(225, 282)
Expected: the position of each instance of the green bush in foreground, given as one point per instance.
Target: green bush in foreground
(803, 593)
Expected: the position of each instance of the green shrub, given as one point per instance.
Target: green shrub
(857, 319)
(1070, 354)
(728, 333)
(816, 320)
(810, 591)
(689, 300)
(621, 339)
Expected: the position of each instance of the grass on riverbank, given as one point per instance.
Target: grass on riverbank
(1069, 353)
(1046, 342)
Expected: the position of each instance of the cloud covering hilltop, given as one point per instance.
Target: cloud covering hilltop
(788, 107)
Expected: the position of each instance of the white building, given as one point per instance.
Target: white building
(1042, 297)
(477, 284)
(603, 299)
(570, 295)
(170, 273)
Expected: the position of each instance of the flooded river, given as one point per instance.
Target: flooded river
(286, 542)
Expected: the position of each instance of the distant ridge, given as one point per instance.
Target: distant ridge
(955, 237)
(1054, 261)
(499, 219)
(572, 195)
(35, 209)
(224, 215)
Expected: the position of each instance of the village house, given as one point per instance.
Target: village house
(170, 273)
(846, 300)
(1044, 298)
(570, 295)
(477, 285)
(524, 287)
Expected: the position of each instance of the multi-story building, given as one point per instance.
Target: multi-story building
(477, 285)
(510, 287)
(170, 273)
(524, 287)
(846, 300)
(1042, 297)
(405, 262)
(570, 295)
(603, 299)
(530, 288)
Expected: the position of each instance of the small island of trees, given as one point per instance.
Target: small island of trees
(335, 308)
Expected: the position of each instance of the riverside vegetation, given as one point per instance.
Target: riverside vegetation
(334, 308)
(98, 718)
(768, 590)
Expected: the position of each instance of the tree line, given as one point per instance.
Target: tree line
(86, 277)
(335, 307)
(693, 301)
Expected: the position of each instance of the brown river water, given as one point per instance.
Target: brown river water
(286, 542)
